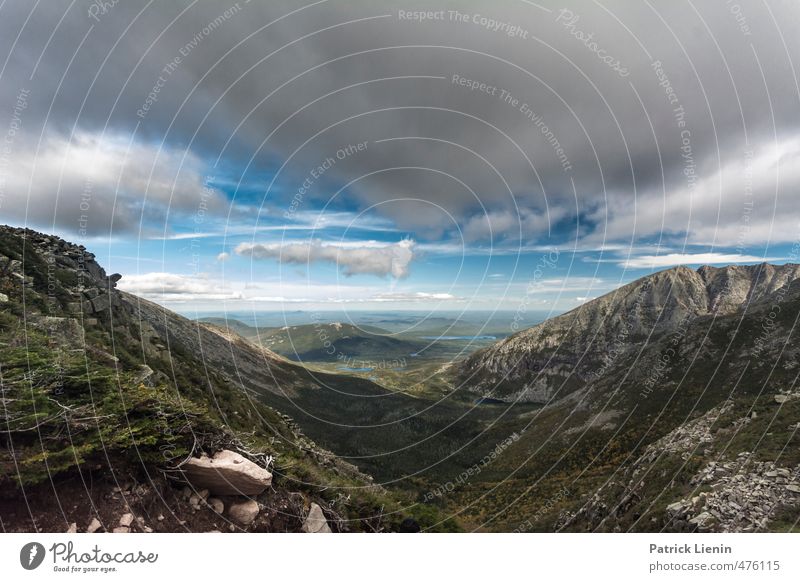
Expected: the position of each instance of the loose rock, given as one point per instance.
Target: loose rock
(216, 504)
(316, 522)
(244, 513)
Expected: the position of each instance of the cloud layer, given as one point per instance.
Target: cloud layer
(376, 259)
(464, 125)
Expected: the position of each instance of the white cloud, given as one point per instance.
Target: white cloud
(673, 259)
(368, 258)
(171, 287)
(222, 257)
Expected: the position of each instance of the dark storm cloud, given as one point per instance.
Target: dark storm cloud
(503, 121)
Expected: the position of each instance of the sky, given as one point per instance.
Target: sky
(344, 155)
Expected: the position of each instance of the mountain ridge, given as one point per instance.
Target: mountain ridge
(638, 311)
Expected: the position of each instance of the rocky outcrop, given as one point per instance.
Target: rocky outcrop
(227, 473)
(744, 496)
(98, 303)
(315, 521)
(67, 274)
(58, 253)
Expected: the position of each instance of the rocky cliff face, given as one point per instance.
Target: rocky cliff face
(64, 275)
(572, 351)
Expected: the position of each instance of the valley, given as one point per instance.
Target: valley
(660, 406)
(404, 356)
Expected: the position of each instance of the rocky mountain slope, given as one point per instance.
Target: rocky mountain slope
(566, 353)
(106, 397)
(671, 404)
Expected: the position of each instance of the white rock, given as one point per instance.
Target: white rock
(315, 522)
(94, 525)
(126, 520)
(227, 473)
(121, 530)
(73, 528)
(244, 513)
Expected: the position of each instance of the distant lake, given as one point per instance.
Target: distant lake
(349, 369)
(487, 400)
